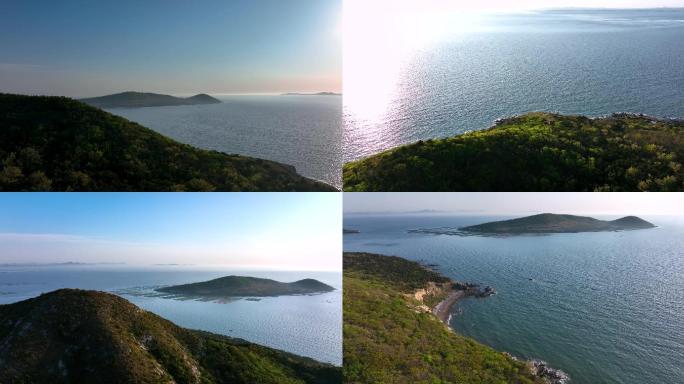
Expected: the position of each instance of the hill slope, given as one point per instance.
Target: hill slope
(73, 336)
(551, 223)
(231, 286)
(143, 99)
(389, 337)
(535, 152)
(59, 144)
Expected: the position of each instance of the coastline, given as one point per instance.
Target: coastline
(443, 309)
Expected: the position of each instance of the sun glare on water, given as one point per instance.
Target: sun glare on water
(381, 37)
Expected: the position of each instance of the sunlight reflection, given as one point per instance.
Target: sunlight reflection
(380, 39)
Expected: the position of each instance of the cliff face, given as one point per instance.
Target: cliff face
(390, 336)
(74, 336)
(536, 152)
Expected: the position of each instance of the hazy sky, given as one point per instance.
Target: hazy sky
(296, 231)
(89, 48)
(518, 203)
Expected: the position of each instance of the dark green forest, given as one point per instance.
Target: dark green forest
(59, 144)
(386, 340)
(535, 152)
(75, 336)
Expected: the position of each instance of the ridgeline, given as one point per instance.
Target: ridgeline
(74, 336)
(59, 144)
(535, 152)
(552, 223)
(236, 286)
(144, 99)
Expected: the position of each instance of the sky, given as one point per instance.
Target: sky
(273, 231)
(517, 203)
(83, 48)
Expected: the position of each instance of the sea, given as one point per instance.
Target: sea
(589, 62)
(300, 130)
(306, 325)
(603, 307)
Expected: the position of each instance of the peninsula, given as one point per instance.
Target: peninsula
(552, 223)
(240, 286)
(393, 332)
(145, 99)
(540, 152)
(60, 144)
(75, 336)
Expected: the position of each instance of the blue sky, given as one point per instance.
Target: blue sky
(88, 48)
(297, 231)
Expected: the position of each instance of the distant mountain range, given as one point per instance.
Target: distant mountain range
(552, 223)
(144, 99)
(75, 336)
(237, 286)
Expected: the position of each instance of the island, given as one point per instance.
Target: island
(396, 329)
(60, 144)
(553, 223)
(348, 231)
(76, 336)
(241, 286)
(536, 152)
(146, 99)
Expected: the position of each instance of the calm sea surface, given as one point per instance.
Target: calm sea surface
(305, 325)
(604, 307)
(573, 62)
(304, 131)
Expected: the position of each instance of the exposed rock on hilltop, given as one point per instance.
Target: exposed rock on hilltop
(145, 99)
(74, 336)
(236, 286)
(552, 223)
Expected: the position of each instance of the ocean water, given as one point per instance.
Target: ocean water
(303, 131)
(603, 307)
(305, 325)
(590, 62)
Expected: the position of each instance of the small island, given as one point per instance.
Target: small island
(241, 286)
(348, 231)
(146, 99)
(553, 223)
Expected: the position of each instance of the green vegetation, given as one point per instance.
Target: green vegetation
(387, 339)
(140, 99)
(231, 286)
(73, 336)
(551, 223)
(535, 152)
(58, 144)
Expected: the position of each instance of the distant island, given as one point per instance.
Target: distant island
(75, 336)
(537, 152)
(240, 286)
(552, 223)
(350, 231)
(144, 99)
(60, 144)
(312, 94)
(396, 329)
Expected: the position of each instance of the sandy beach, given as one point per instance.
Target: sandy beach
(443, 309)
